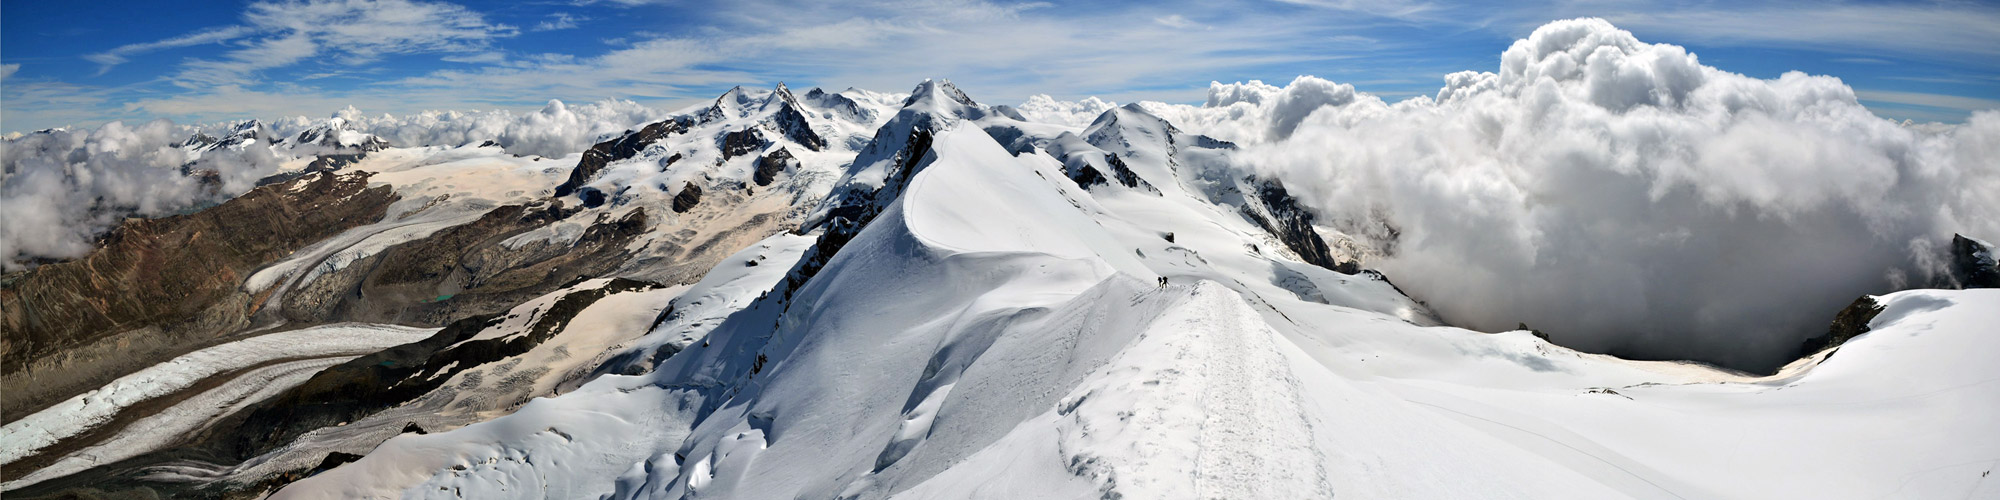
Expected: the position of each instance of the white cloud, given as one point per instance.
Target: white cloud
(123, 53)
(1623, 197)
(63, 188)
(1176, 21)
(1400, 9)
(560, 21)
(554, 131)
(1042, 108)
(342, 32)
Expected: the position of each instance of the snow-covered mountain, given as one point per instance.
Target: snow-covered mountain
(858, 295)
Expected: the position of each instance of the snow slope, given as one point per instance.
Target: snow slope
(928, 297)
(994, 333)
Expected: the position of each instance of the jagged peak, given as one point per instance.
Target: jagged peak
(726, 104)
(931, 90)
(336, 132)
(781, 96)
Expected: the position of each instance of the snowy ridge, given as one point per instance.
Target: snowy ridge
(862, 295)
(966, 343)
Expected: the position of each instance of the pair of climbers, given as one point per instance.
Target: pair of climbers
(1163, 282)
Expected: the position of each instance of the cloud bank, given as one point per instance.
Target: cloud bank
(554, 131)
(60, 189)
(1623, 197)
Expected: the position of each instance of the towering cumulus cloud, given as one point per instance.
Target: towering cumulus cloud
(60, 189)
(1622, 197)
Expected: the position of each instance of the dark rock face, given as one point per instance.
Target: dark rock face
(621, 148)
(591, 197)
(160, 286)
(198, 139)
(1293, 225)
(856, 210)
(1851, 322)
(741, 142)
(322, 164)
(1126, 176)
(770, 165)
(1087, 177)
(789, 121)
(689, 196)
(1972, 263)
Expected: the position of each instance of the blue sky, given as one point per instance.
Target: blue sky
(85, 63)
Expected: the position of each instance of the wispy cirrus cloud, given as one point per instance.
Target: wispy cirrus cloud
(560, 21)
(350, 32)
(121, 54)
(671, 52)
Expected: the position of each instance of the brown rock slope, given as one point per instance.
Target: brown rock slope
(157, 288)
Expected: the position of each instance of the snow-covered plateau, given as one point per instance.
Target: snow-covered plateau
(866, 295)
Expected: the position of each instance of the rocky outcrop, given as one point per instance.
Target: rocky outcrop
(790, 122)
(197, 141)
(321, 164)
(1126, 176)
(624, 147)
(156, 288)
(1087, 177)
(1281, 215)
(689, 196)
(1972, 263)
(741, 142)
(770, 165)
(1851, 322)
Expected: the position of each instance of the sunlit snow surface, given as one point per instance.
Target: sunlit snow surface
(996, 334)
(997, 330)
